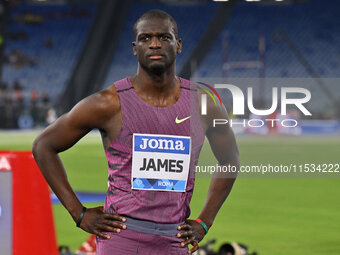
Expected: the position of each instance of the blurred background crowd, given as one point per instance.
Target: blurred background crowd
(56, 52)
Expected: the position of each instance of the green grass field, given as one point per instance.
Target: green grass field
(271, 215)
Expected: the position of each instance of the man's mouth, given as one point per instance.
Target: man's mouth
(155, 57)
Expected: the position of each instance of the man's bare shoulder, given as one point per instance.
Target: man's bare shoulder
(107, 100)
(104, 102)
(96, 110)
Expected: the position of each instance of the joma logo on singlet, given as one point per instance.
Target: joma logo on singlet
(162, 144)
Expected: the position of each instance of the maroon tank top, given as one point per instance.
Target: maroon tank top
(138, 117)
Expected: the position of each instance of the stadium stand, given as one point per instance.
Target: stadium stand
(311, 26)
(54, 44)
(48, 39)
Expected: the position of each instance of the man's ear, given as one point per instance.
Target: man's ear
(179, 45)
(134, 48)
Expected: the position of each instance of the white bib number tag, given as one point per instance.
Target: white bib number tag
(160, 162)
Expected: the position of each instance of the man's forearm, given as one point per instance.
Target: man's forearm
(219, 190)
(53, 171)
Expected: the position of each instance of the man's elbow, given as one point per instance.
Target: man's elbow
(39, 147)
(36, 147)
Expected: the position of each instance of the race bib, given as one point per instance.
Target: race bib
(160, 162)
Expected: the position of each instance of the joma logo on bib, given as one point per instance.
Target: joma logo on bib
(160, 162)
(162, 144)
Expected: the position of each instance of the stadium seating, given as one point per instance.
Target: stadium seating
(311, 26)
(67, 27)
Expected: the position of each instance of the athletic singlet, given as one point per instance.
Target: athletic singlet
(138, 117)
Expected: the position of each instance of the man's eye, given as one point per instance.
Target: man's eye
(144, 38)
(165, 37)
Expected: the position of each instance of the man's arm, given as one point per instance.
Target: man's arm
(223, 144)
(95, 111)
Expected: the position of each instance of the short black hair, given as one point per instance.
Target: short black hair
(155, 13)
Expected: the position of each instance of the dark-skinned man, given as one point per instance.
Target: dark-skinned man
(152, 132)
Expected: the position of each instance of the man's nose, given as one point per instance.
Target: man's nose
(155, 43)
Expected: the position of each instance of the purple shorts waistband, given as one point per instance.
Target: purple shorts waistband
(149, 227)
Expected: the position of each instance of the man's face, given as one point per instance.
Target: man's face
(156, 45)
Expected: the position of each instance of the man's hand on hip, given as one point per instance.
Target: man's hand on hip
(193, 232)
(96, 221)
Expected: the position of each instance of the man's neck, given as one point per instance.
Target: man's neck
(155, 84)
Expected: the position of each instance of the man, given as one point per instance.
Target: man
(152, 134)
